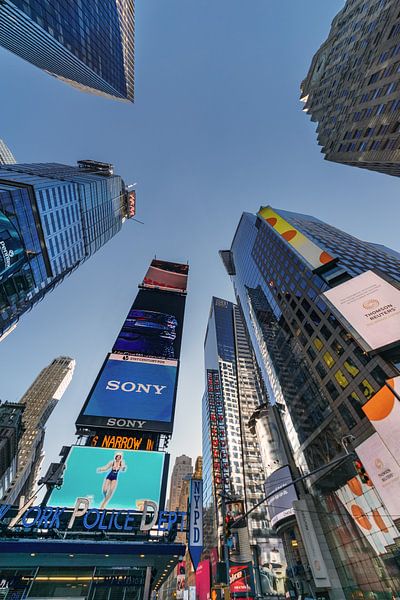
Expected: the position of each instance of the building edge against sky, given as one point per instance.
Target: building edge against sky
(52, 218)
(6, 156)
(352, 89)
(89, 45)
(320, 379)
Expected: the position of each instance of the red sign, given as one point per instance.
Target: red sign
(218, 432)
(203, 580)
(240, 580)
(131, 204)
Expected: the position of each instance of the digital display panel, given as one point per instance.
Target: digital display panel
(313, 254)
(111, 479)
(140, 441)
(167, 276)
(132, 392)
(12, 254)
(280, 503)
(153, 326)
(370, 305)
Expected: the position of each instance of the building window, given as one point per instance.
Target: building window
(366, 389)
(341, 379)
(329, 360)
(332, 390)
(356, 404)
(351, 367)
(347, 416)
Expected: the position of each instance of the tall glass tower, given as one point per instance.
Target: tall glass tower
(52, 217)
(320, 377)
(39, 402)
(89, 44)
(231, 456)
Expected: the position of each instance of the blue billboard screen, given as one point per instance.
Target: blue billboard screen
(133, 392)
(112, 479)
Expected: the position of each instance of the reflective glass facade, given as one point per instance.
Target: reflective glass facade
(89, 43)
(314, 369)
(55, 216)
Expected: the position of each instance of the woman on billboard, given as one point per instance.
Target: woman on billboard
(111, 480)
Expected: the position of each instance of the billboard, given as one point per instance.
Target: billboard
(280, 503)
(369, 306)
(12, 254)
(166, 275)
(195, 541)
(132, 392)
(383, 411)
(313, 254)
(203, 582)
(383, 470)
(241, 579)
(153, 326)
(112, 479)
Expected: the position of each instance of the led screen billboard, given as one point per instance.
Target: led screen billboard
(12, 254)
(138, 441)
(313, 254)
(153, 326)
(132, 392)
(166, 275)
(112, 479)
(280, 503)
(369, 306)
(383, 412)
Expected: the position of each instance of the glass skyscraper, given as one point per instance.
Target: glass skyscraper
(318, 375)
(89, 44)
(232, 465)
(52, 217)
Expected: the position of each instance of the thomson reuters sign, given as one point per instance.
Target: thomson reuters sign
(370, 306)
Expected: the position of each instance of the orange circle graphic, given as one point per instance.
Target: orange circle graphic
(360, 516)
(289, 235)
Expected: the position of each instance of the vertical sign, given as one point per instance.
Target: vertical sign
(196, 521)
(218, 432)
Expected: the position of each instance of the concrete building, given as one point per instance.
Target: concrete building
(6, 156)
(39, 402)
(183, 469)
(352, 89)
(10, 435)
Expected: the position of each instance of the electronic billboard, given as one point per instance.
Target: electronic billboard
(112, 479)
(153, 326)
(168, 276)
(132, 392)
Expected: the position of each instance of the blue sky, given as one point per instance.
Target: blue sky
(216, 129)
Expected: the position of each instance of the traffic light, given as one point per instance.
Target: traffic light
(227, 528)
(361, 472)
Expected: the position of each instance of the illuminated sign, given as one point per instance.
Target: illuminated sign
(240, 580)
(131, 196)
(369, 306)
(132, 392)
(141, 441)
(280, 501)
(218, 432)
(92, 519)
(111, 478)
(166, 275)
(313, 254)
(195, 542)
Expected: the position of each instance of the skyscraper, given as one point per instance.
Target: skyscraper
(52, 218)
(352, 88)
(38, 402)
(183, 469)
(232, 464)
(320, 375)
(6, 156)
(87, 44)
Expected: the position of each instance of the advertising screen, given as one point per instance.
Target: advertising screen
(12, 255)
(132, 392)
(383, 470)
(315, 256)
(241, 580)
(280, 504)
(371, 307)
(168, 276)
(203, 582)
(140, 441)
(112, 479)
(153, 326)
(383, 412)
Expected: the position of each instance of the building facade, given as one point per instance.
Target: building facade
(352, 89)
(10, 435)
(87, 44)
(52, 218)
(6, 156)
(319, 377)
(232, 467)
(39, 402)
(182, 470)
